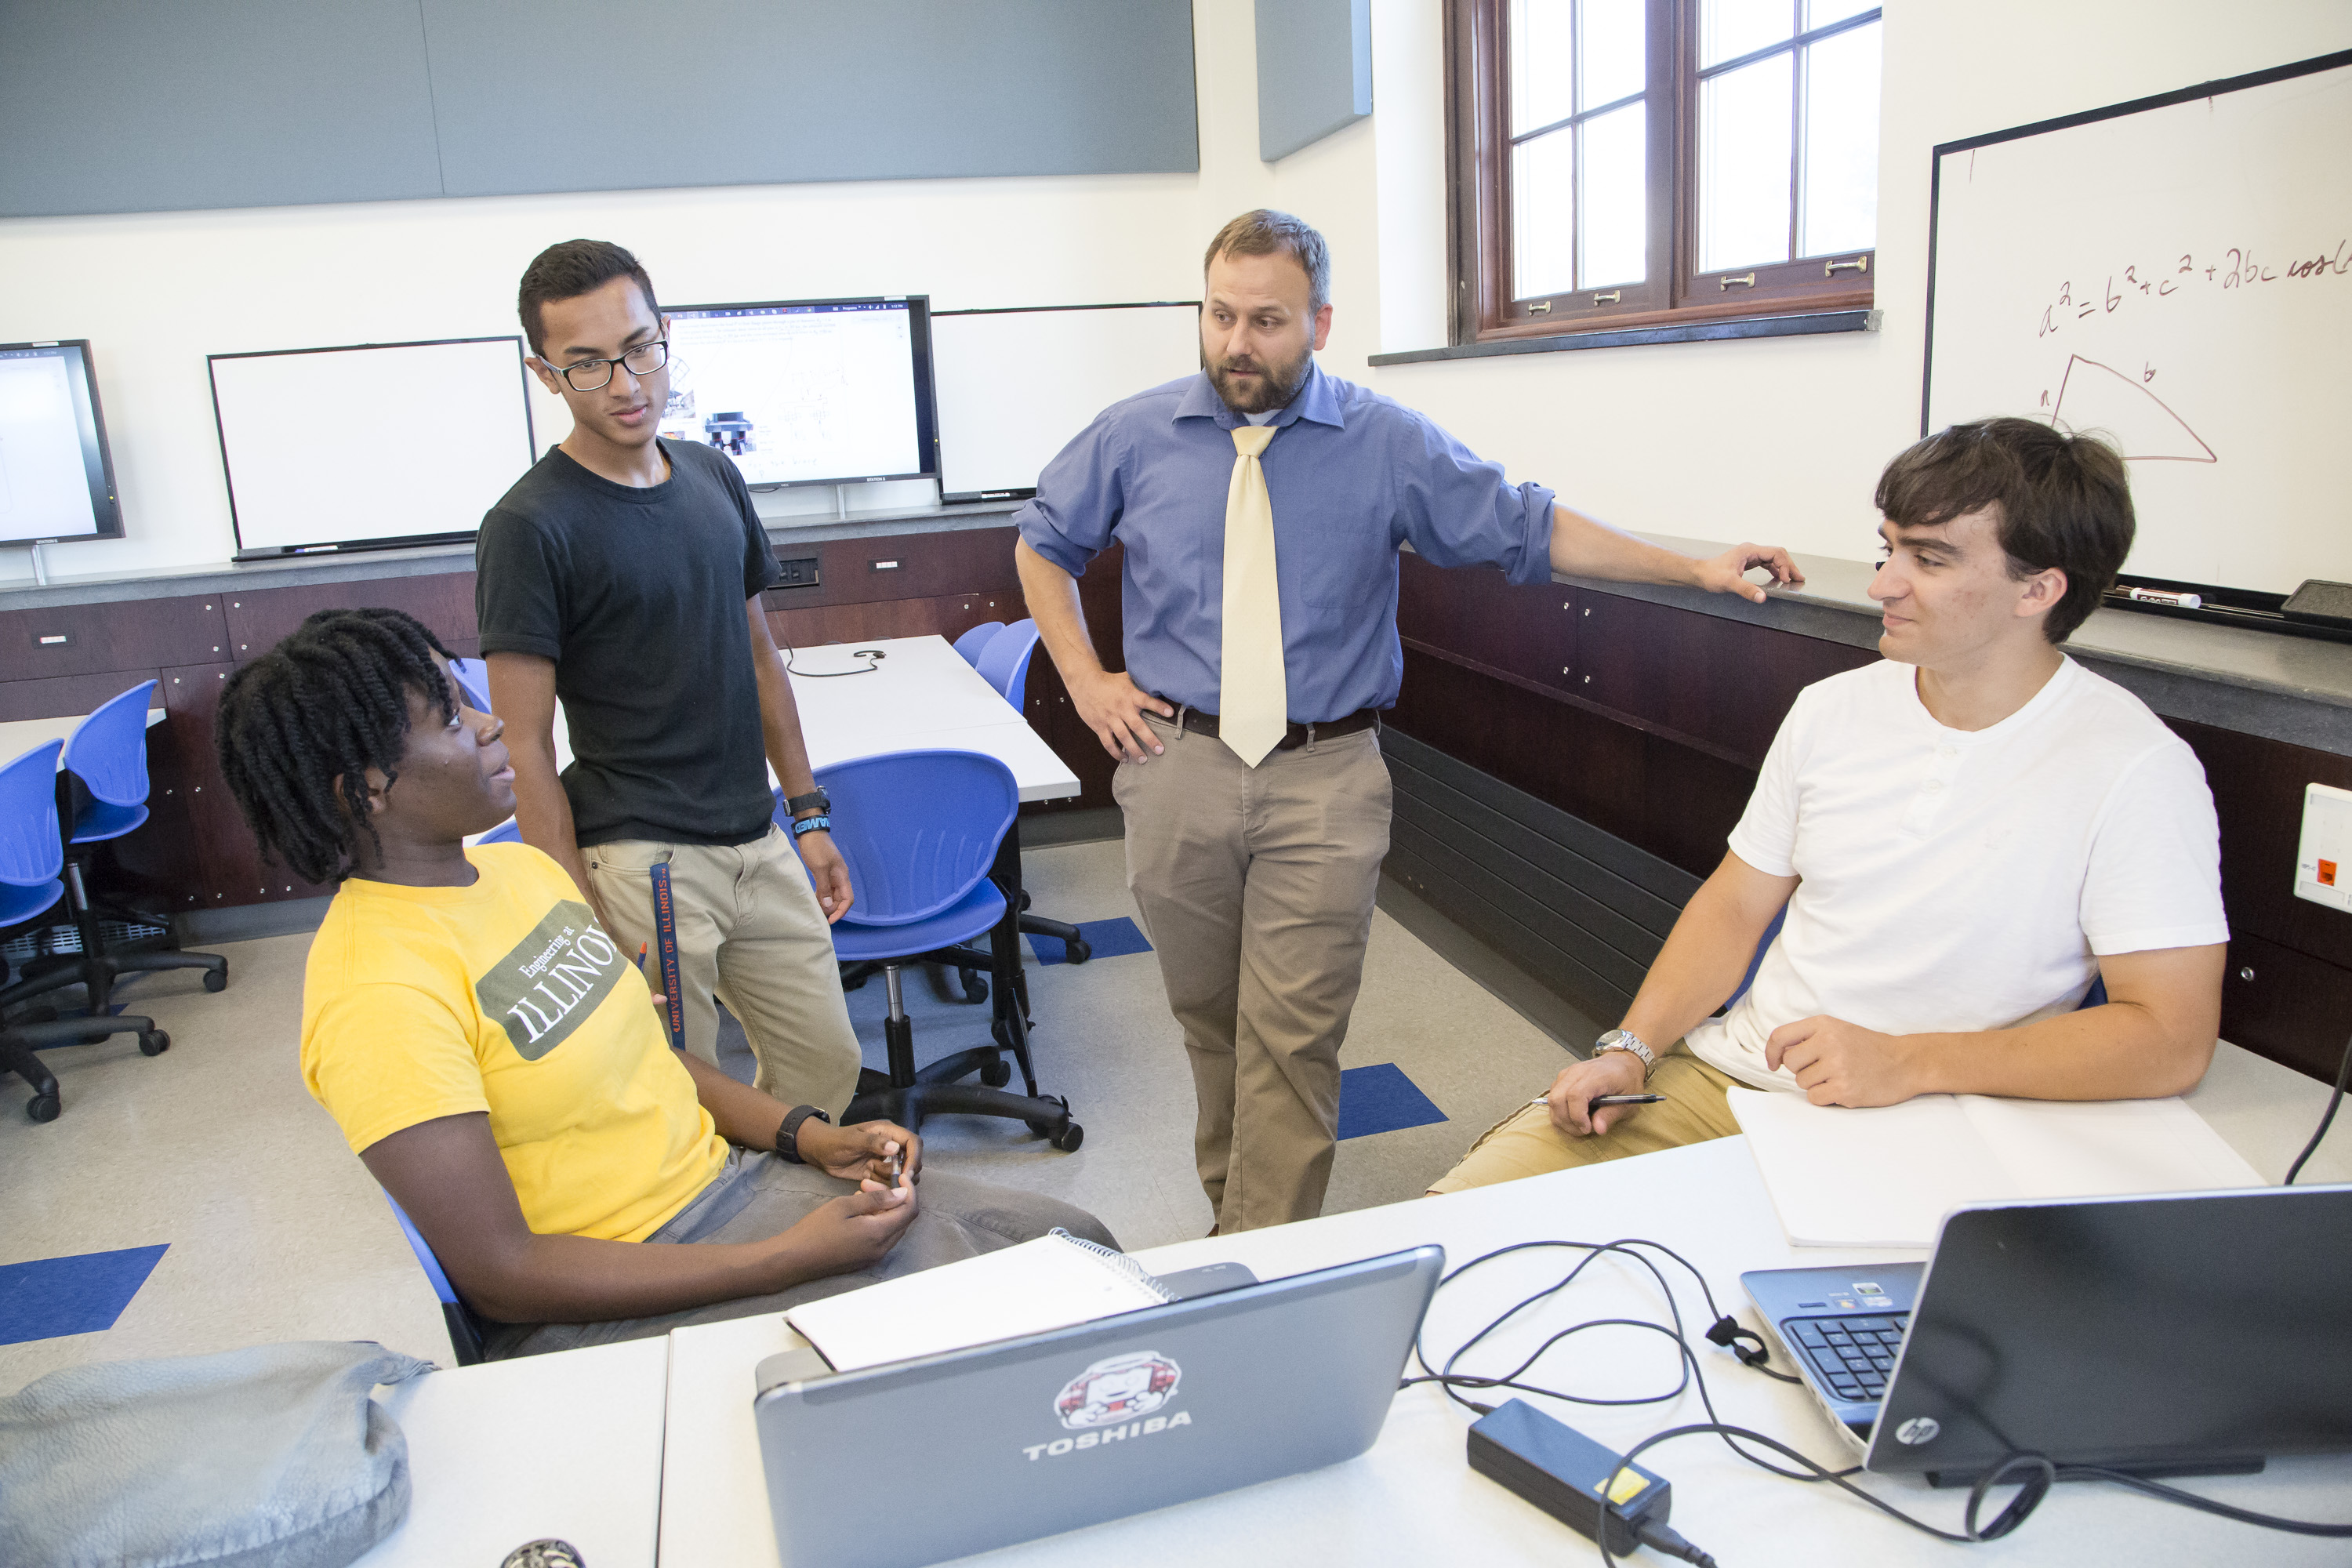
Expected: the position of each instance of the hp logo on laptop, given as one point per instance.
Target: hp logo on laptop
(1917, 1430)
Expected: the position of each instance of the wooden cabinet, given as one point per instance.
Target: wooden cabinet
(258, 617)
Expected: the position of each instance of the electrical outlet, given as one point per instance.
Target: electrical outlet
(800, 573)
(2322, 860)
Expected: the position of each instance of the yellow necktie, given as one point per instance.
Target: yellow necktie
(1254, 695)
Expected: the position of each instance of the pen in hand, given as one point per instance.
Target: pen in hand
(1599, 1100)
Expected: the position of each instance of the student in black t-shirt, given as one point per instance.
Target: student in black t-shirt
(622, 577)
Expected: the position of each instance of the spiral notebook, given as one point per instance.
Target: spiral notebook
(1051, 1282)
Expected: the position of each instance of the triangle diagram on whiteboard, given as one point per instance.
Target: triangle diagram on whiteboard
(2093, 397)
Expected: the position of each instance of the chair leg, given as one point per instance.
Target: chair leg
(1074, 945)
(17, 1042)
(17, 1055)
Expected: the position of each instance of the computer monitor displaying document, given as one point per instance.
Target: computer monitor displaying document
(807, 392)
(302, 435)
(57, 479)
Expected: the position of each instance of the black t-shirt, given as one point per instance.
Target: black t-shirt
(638, 596)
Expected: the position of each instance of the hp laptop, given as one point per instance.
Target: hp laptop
(2190, 1333)
(1029, 1436)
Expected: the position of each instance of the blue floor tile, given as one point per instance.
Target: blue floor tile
(1109, 939)
(1381, 1099)
(78, 1295)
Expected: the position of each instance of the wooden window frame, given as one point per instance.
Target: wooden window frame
(1479, 237)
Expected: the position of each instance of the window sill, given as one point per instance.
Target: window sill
(1801, 324)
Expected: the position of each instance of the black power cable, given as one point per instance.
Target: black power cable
(2343, 1074)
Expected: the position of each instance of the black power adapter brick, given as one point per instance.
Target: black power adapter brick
(1562, 1472)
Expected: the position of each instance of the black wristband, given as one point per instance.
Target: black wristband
(788, 1136)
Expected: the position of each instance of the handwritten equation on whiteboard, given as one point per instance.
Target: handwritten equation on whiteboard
(2236, 268)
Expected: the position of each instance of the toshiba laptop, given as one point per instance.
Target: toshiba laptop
(2187, 1333)
(1028, 1437)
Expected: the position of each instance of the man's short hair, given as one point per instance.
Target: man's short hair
(2064, 501)
(1265, 232)
(567, 271)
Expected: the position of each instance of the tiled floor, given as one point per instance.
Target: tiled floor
(272, 1230)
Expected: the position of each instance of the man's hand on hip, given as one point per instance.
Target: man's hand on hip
(1113, 708)
(1838, 1063)
(1578, 1084)
(828, 873)
(1728, 572)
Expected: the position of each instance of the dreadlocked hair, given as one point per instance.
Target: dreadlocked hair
(329, 702)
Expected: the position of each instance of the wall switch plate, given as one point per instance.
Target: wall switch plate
(2323, 859)
(798, 573)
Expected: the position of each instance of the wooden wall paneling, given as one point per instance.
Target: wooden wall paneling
(443, 601)
(1480, 615)
(2258, 788)
(234, 870)
(949, 616)
(2286, 1006)
(928, 567)
(158, 866)
(69, 696)
(132, 634)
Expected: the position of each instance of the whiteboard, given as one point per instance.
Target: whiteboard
(1013, 386)
(2177, 275)
(331, 448)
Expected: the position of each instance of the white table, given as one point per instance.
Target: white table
(920, 694)
(568, 1446)
(1412, 1498)
(18, 736)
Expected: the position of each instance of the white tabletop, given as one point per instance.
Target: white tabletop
(18, 736)
(568, 1446)
(920, 693)
(1412, 1498)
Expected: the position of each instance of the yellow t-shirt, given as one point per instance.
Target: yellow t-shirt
(507, 997)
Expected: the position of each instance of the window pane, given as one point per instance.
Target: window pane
(1543, 198)
(1613, 60)
(1821, 13)
(1614, 233)
(1542, 49)
(1746, 133)
(1730, 28)
(1840, 211)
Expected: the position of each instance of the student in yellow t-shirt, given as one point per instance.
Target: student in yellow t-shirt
(496, 1061)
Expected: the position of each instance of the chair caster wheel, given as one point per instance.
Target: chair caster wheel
(996, 1074)
(216, 979)
(1068, 1139)
(975, 989)
(1079, 951)
(996, 1032)
(1024, 907)
(153, 1042)
(44, 1107)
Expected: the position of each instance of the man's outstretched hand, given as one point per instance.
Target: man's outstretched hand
(1728, 572)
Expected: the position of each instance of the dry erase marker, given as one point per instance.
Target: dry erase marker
(2161, 596)
(1596, 1103)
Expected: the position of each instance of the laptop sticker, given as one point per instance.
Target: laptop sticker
(1117, 1390)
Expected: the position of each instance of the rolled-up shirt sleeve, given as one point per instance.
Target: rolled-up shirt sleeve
(1457, 509)
(1080, 498)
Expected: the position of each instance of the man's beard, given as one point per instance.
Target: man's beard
(1276, 383)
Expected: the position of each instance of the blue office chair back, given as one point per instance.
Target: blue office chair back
(473, 677)
(31, 853)
(971, 644)
(508, 832)
(465, 1329)
(1004, 663)
(919, 829)
(109, 750)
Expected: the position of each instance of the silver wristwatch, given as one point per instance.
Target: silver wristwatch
(1623, 1040)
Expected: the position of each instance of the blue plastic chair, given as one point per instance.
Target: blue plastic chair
(971, 644)
(507, 832)
(1005, 662)
(464, 1328)
(473, 678)
(32, 854)
(919, 831)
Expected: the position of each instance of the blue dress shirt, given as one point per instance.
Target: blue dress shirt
(1351, 476)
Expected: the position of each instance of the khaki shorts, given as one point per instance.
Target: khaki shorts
(1526, 1143)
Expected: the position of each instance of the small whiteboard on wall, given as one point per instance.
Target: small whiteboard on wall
(1014, 386)
(2177, 274)
(365, 447)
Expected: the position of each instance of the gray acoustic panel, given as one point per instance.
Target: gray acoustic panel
(580, 95)
(159, 105)
(1314, 71)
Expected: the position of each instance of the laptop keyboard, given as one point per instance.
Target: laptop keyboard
(1852, 1356)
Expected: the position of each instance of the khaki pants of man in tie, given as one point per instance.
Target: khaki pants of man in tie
(1255, 887)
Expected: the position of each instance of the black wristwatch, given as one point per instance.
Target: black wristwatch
(815, 799)
(788, 1136)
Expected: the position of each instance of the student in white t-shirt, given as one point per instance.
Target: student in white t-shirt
(1966, 837)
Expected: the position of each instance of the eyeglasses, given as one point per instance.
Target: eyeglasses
(592, 374)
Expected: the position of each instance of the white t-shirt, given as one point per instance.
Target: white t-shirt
(1959, 881)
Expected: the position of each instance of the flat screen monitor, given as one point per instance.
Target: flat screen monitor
(807, 392)
(1017, 384)
(303, 442)
(56, 478)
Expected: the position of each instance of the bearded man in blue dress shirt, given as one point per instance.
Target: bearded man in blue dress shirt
(1262, 504)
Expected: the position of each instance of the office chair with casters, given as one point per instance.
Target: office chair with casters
(919, 831)
(31, 856)
(507, 832)
(1004, 665)
(106, 760)
(464, 1328)
(473, 679)
(971, 644)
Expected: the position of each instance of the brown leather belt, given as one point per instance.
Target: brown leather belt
(1294, 737)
